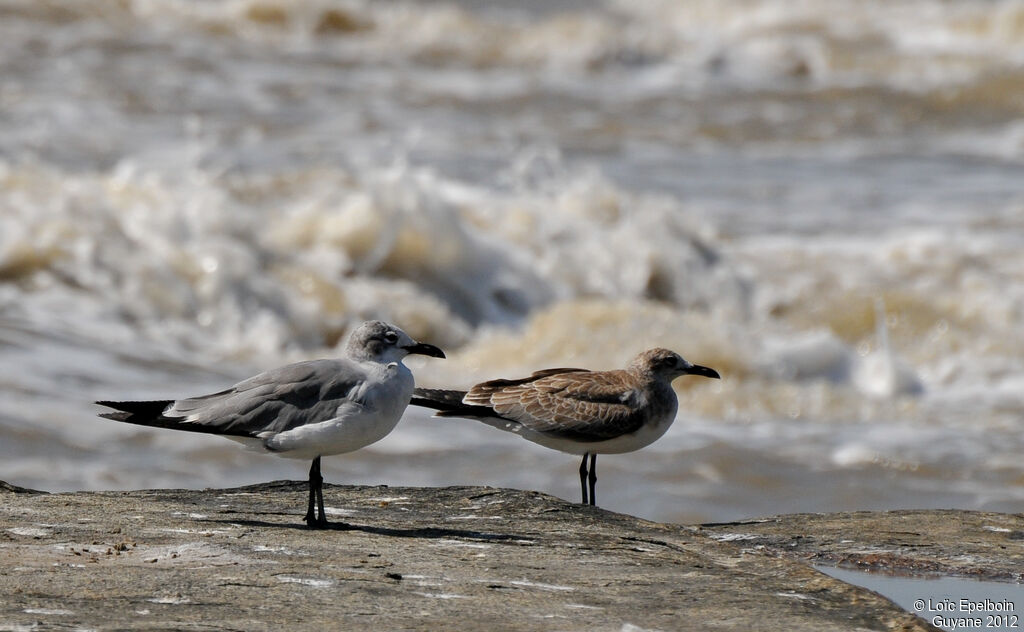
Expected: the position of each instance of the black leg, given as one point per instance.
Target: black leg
(316, 497)
(310, 515)
(321, 515)
(583, 478)
(593, 478)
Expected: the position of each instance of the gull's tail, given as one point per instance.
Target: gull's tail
(448, 403)
(141, 413)
(152, 414)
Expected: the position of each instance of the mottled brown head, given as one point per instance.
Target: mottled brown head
(668, 365)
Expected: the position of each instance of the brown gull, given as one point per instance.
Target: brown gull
(577, 411)
(304, 410)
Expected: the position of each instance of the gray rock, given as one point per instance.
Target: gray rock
(988, 546)
(466, 558)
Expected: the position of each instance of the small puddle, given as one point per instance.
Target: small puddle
(950, 603)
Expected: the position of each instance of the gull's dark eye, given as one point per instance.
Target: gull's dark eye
(391, 337)
(667, 362)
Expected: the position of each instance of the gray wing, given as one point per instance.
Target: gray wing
(579, 405)
(274, 401)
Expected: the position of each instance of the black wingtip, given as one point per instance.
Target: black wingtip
(119, 416)
(437, 398)
(448, 403)
(151, 414)
(143, 413)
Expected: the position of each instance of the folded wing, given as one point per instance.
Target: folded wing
(274, 401)
(566, 402)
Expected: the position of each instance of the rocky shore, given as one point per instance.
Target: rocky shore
(465, 558)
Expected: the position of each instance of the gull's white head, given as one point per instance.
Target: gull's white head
(668, 365)
(378, 341)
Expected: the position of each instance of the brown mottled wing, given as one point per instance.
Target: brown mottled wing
(580, 405)
(536, 375)
(452, 403)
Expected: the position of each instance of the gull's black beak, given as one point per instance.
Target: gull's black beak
(697, 369)
(423, 348)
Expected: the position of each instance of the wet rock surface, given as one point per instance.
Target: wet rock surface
(467, 558)
(974, 544)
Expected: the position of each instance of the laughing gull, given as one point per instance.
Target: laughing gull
(577, 411)
(304, 410)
